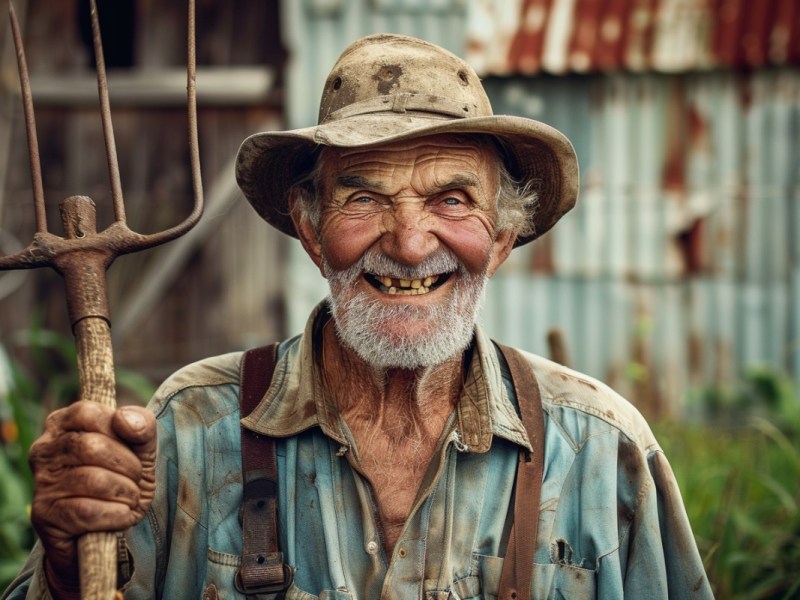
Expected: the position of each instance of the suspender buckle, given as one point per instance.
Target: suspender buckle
(261, 574)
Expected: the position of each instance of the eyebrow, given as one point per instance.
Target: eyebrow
(359, 182)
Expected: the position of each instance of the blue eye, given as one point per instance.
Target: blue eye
(362, 200)
(450, 201)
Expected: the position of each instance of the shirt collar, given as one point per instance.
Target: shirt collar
(296, 398)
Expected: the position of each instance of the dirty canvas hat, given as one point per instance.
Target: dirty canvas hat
(386, 88)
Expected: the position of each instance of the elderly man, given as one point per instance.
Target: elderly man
(408, 459)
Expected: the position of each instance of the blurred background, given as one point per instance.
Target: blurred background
(676, 279)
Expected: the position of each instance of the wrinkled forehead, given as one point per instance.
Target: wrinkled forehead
(470, 156)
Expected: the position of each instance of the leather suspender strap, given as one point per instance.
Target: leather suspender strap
(263, 570)
(516, 579)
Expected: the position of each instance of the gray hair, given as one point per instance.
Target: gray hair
(516, 203)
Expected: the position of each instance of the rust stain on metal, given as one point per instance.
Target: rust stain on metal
(636, 35)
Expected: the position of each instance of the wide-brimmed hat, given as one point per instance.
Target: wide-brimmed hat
(386, 88)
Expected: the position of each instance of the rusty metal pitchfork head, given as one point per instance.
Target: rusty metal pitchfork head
(82, 256)
(84, 248)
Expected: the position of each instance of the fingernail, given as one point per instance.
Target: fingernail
(134, 418)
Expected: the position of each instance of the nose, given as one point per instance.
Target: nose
(409, 236)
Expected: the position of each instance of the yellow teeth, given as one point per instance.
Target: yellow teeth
(406, 287)
(409, 291)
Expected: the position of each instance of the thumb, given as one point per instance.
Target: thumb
(135, 425)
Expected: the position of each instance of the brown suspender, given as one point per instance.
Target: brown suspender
(263, 570)
(517, 576)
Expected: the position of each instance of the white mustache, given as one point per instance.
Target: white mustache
(442, 261)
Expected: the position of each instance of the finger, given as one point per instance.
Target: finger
(77, 516)
(78, 483)
(55, 452)
(81, 416)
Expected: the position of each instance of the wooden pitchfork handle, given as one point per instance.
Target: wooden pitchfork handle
(82, 256)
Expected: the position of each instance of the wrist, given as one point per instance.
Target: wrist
(62, 585)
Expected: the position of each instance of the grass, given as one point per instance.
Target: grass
(741, 488)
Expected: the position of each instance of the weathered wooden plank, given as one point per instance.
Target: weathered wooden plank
(216, 86)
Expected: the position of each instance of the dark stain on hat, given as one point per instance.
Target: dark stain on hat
(387, 77)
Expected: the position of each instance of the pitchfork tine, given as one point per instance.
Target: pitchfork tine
(194, 146)
(30, 124)
(117, 239)
(105, 113)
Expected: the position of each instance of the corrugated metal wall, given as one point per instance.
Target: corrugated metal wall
(316, 31)
(680, 267)
(580, 36)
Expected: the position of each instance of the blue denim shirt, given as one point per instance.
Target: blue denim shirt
(611, 524)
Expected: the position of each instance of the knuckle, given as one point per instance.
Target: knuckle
(84, 512)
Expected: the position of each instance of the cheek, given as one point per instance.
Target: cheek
(470, 240)
(344, 240)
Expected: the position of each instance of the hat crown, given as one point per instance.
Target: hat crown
(396, 73)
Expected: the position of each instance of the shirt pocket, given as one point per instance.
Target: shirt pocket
(295, 593)
(482, 583)
(564, 582)
(221, 569)
(550, 581)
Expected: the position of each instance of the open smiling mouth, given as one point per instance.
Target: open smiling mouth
(406, 287)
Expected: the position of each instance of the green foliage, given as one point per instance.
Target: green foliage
(16, 536)
(763, 391)
(19, 420)
(740, 479)
(47, 381)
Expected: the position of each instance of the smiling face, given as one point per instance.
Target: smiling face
(406, 238)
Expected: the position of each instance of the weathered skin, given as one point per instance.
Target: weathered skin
(94, 470)
(406, 201)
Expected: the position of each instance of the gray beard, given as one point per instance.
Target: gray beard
(448, 325)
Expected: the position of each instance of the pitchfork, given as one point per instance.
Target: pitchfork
(82, 257)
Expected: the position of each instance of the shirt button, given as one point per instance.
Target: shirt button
(402, 552)
(372, 547)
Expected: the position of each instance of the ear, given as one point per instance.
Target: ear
(501, 248)
(306, 234)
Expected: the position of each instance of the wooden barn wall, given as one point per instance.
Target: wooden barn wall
(227, 291)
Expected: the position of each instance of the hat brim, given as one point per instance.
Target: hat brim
(269, 163)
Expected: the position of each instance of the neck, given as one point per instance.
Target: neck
(402, 404)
